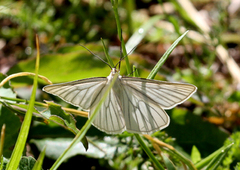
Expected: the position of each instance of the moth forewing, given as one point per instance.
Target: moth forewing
(80, 93)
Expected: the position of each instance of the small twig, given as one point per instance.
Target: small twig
(73, 111)
(76, 112)
(23, 74)
(157, 141)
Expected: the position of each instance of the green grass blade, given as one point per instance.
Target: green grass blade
(119, 30)
(23, 134)
(164, 57)
(2, 139)
(39, 162)
(1, 162)
(175, 153)
(148, 152)
(141, 32)
(135, 71)
(204, 162)
(169, 164)
(216, 161)
(107, 55)
(195, 154)
(84, 129)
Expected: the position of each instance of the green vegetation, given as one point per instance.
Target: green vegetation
(186, 41)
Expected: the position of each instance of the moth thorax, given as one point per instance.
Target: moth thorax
(114, 70)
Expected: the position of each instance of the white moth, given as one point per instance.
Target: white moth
(133, 104)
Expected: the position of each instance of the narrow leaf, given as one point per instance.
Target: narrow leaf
(57, 114)
(219, 158)
(21, 141)
(119, 30)
(106, 54)
(148, 152)
(164, 57)
(135, 71)
(2, 139)
(204, 162)
(39, 162)
(169, 164)
(141, 32)
(178, 155)
(195, 154)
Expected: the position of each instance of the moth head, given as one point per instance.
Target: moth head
(114, 71)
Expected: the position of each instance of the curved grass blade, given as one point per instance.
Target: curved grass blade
(23, 134)
(135, 71)
(182, 158)
(216, 161)
(138, 35)
(2, 139)
(39, 162)
(23, 74)
(72, 111)
(107, 55)
(148, 152)
(164, 57)
(204, 162)
(169, 164)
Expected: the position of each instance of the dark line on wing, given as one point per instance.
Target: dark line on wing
(116, 112)
(157, 82)
(144, 94)
(146, 103)
(128, 111)
(185, 96)
(108, 112)
(159, 96)
(76, 96)
(92, 102)
(55, 90)
(143, 116)
(156, 124)
(134, 110)
(172, 94)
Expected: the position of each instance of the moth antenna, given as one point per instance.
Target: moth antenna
(121, 58)
(121, 54)
(132, 72)
(95, 55)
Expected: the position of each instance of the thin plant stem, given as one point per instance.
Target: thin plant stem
(148, 152)
(73, 111)
(22, 137)
(23, 74)
(2, 139)
(119, 30)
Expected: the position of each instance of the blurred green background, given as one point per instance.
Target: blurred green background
(208, 57)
